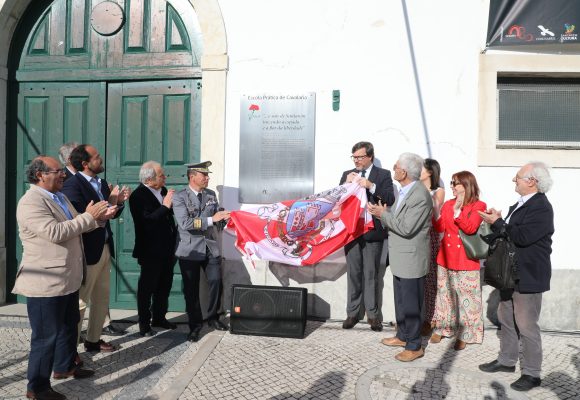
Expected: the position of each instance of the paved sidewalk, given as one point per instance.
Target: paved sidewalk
(329, 363)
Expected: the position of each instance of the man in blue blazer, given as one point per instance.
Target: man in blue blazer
(363, 255)
(85, 186)
(155, 232)
(530, 226)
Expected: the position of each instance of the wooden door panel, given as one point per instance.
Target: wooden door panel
(148, 121)
(50, 114)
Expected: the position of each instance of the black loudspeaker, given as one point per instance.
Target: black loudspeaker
(268, 311)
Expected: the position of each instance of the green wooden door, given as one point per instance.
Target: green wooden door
(50, 114)
(130, 123)
(157, 121)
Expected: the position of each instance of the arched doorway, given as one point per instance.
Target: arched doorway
(125, 76)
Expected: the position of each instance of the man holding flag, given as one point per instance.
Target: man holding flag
(363, 255)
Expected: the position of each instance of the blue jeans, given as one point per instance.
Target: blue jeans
(53, 345)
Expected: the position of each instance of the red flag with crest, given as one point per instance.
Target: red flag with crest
(302, 232)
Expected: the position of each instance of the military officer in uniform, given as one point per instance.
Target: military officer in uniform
(199, 219)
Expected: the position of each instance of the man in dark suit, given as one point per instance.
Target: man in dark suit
(155, 233)
(198, 218)
(363, 255)
(85, 186)
(64, 156)
(530, 225)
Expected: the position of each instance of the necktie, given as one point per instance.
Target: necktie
(62, 205)
(97, 186)
(363, 173)
(199, 198)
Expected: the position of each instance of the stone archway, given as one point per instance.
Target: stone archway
(214, 64)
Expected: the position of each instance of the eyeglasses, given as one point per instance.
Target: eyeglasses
(358, 158)
(529, 178)
(55, 171)
(453, 183)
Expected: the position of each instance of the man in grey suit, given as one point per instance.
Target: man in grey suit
(409, 251)
(198, 217)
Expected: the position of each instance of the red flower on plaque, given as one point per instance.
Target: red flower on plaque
(253, 108)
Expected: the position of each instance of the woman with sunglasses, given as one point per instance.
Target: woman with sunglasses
(431, 178)
(458, 306)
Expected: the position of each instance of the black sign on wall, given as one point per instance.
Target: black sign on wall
(533, 22)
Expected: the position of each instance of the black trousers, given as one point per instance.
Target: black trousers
(190, 272)
(53, 343)
(408, 310)
(154, 283)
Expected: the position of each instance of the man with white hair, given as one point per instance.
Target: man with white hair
(529, 225)
(155, 233)
(409, 253)
(64, 157)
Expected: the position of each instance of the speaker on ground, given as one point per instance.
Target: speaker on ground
(268, 311)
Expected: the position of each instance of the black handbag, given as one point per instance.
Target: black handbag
(475, 247)
(501, 267)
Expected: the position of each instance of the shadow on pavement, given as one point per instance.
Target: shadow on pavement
(555, 381)
(329, 386)
(435, 377)
(110, 370)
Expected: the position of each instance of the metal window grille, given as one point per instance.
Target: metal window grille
(538, 113)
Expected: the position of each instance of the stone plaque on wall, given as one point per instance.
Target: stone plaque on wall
(276, 147)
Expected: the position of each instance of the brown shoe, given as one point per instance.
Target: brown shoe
(435, 338)
(426, 329)
(349, 322)
(393, 341)
(459, 345)
(410, 355)
(375, 324)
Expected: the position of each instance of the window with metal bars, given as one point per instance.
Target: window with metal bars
(538, 113)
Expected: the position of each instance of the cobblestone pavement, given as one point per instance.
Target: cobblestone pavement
(329, 363)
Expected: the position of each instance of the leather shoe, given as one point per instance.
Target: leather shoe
(495, 366)
(77, 373)
(393, 342)
(147, 332)
(217, 325)
(165, 324)
(112, 330)
(410, 355)
(194, 335)
(375, 324)
(349, 322)
(47, 394)
(101, 345)
(435, 338)
(525, 383)
(459, 345)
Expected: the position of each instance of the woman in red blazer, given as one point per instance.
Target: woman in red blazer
(458, 307)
